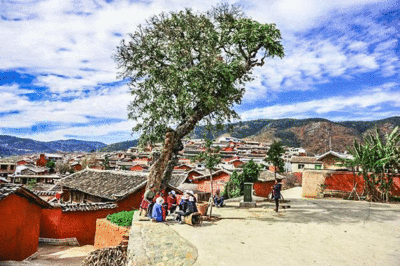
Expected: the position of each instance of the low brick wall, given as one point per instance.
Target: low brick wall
(108, 234)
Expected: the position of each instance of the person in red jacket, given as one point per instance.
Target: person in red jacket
(171, 201)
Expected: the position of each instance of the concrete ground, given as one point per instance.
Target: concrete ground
(56, 256)
(311, 232)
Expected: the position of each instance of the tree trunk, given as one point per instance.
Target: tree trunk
(160, 168)
(212, 194)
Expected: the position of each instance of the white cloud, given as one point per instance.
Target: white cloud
(353, 106)
(70, 54)
(108, 104)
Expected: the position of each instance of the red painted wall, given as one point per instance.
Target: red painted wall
(237, 163)
(344, 181)
(192, 174)
(19, 228)
(79, 224)
(263, 189)
(182, 167)
(137, 168)
(299, 177)
(219, 182)
(77, 167)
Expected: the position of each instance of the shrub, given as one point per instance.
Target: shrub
(123, 218)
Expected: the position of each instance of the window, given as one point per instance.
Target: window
(318, 167)
(301, 166)
(3, 167)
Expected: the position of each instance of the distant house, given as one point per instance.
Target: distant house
(7, 168)
(54, 157)
(334, 160)
(20, 212)
(76, 166)
(220, 178)
(301, 163)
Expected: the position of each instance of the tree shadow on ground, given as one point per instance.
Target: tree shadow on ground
(328, 212)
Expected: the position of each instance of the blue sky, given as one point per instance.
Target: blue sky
(58, 79)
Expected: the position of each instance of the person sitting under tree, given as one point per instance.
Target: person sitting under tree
(188, 207)
(218, 199)
(147, 202)
(277, 193)
(157, 212)
(171, 201)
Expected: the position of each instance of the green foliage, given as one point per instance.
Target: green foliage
(123, 218)
(31, 183)
(51, 164)
(274, 156)
(379, 159)
(232, 188)
(235, 186)
(186, 67)
(106, 162)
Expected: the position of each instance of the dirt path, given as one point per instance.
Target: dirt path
(311, 232)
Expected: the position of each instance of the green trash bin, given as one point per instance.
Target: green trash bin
(248, 192)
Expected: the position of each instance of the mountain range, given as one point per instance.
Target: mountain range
(10, 145)
(315, 135)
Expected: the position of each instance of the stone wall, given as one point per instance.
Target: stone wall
(109, 234)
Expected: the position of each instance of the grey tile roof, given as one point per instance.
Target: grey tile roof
(45, 193)
(177, 179)
(93, 206)
(112, 185)
(304, 159)
(9, 189)
(269, 176)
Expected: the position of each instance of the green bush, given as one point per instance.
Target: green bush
(235, 186)
(123, 218)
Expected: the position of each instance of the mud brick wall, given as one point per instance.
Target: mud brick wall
(108, 234)
(311, 183)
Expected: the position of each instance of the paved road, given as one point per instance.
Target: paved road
(311, 232)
